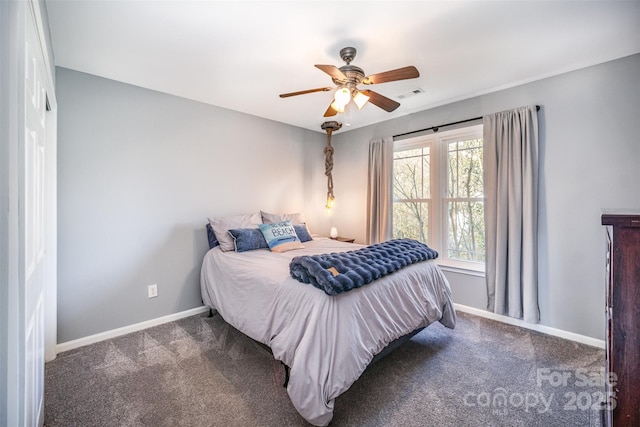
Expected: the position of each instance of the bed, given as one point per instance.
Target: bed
(326, 341)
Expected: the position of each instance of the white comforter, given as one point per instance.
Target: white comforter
(327, 341)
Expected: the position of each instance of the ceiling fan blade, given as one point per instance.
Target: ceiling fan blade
(302, 92)
(404, 73)
(330, 112)
(381, 101)
(333, 71)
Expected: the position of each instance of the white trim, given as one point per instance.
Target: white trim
(51, 238)
(583, 339)
(49, 68)
(462, 270)
(91, 339)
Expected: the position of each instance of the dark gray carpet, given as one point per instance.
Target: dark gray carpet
(200, 371)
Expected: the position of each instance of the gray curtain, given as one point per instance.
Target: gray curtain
(380, 190)
(511, 212)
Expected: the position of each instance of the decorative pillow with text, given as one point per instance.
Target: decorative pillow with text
(280, 236)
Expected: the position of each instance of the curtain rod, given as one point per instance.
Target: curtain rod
(436, 128)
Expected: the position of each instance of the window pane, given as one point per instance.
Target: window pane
(465, 168)
(411, 176)
(410, 220)
(407, 153)
(465, 231)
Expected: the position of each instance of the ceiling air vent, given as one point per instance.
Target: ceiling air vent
(409, 94)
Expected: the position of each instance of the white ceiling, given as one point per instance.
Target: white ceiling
(241, 54)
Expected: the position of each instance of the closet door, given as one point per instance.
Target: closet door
(26, 266)
(33, 156)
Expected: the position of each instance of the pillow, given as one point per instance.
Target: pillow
(248, 239)
(270, 218)
(280, 236)
(222, 225)
(213, 242)
(302, 232)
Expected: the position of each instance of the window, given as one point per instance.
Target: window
(438, 195)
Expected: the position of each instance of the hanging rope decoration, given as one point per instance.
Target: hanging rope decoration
(328, 167)
(329, 127)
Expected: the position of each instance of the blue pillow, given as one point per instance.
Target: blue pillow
(248, 239)
(213, 242)
(302, 232)
(280, 236)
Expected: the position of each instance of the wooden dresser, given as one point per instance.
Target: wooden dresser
(623, 318)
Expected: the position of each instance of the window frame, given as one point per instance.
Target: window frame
(437, 227)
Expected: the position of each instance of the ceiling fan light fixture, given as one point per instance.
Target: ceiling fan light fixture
(342, 97)
(348, 77)
(360, 99)
(338, 108)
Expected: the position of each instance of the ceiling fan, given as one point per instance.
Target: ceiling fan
(348, 77)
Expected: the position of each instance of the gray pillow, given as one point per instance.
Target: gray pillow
(270, 218)
(222, 225)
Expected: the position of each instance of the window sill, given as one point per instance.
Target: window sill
(460, 270)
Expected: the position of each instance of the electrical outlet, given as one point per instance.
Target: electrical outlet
(153, 290)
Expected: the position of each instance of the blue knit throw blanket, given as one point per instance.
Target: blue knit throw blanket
(342, 271)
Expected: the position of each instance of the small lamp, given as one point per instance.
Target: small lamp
(330, 201)
(333, 233)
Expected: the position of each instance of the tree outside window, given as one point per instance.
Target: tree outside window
(464, 200)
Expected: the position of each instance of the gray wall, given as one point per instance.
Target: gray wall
(590, 161)
(139, 172)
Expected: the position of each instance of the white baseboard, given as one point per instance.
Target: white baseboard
(80, 342)
(583, 339)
